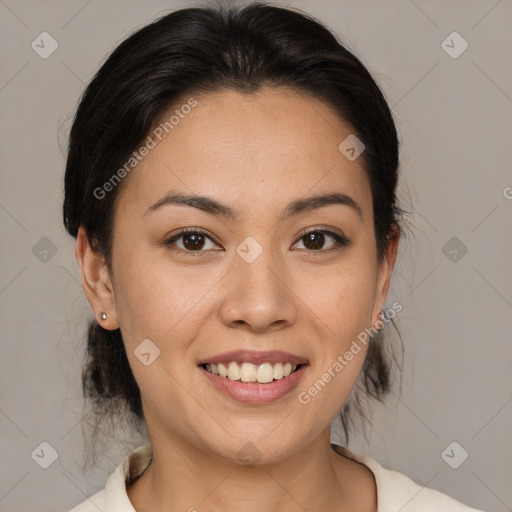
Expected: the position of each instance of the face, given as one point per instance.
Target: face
(266, 277)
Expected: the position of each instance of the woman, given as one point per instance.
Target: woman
(231, 184)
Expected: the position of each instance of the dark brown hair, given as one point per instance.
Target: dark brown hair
(205, 49)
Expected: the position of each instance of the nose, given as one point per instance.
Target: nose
(258, 296)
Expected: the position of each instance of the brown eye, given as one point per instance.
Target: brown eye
(191, 241)
(315, 240)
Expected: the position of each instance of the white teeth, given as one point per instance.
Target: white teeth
(233, 371)
(265, 373)
(249, 372)
(223, 372)
(278, 371)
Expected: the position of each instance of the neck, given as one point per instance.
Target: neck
(183, 477)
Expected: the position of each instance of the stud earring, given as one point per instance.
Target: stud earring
(103, 315)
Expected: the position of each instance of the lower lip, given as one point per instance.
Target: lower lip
(254, 392)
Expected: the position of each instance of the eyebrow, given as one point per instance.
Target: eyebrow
(296, 207)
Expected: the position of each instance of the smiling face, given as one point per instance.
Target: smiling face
(246, 276)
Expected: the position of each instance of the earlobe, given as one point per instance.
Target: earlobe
(96, 282)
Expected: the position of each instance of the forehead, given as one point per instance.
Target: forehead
(260, 148)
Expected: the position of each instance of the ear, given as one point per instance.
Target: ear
(96, 281)
(385, 271)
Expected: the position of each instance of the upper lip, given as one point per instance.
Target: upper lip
(272, 356)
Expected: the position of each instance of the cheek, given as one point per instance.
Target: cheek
(167, 303)
(340, 302)
(340, 295)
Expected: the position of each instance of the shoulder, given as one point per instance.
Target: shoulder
(399, 492)
(396, 491)
(114, 498)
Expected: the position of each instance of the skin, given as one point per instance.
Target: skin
(255, 154)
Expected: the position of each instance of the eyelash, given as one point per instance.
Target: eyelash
(339, 240)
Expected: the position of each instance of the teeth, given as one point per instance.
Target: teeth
(249, 372)
(278, 371)
(233, 371)
(223, 372)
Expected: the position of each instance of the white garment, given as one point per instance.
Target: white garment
(395, 491)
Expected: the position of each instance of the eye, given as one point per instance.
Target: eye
(314, 240)
(196, 240)
(193, 240)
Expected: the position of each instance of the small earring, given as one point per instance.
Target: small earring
(103, 315)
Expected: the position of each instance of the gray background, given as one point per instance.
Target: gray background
(454, 118)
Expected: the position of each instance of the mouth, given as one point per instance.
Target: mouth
(249, 372)
(271, 377)
(250, 366)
